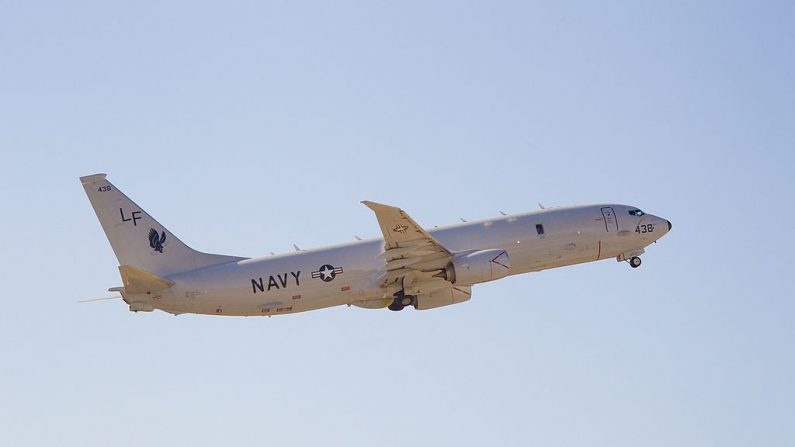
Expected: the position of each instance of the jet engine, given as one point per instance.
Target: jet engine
(477, 267)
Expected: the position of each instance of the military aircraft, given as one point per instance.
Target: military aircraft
(409, 266)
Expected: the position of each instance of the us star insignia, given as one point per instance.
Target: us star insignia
(327, 272)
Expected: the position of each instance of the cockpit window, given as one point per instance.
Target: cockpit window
(636, 213)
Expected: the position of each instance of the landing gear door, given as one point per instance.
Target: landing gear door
(611, 224)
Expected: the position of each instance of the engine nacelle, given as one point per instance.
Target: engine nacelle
(477, 267)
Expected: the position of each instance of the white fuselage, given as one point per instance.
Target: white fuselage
(298, 282)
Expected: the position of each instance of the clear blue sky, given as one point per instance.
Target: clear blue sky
(245, 127)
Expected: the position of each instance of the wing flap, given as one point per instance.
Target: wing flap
(395, 253)
(399, 263)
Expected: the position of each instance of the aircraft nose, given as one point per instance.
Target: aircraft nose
(669, 225)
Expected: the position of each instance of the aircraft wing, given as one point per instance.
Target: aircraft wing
(413, 257)
(400, 229)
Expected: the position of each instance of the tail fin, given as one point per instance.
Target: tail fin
(139, 240)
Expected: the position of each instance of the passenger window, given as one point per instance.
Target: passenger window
(540, 229)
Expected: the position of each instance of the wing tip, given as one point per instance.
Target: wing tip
(375, 205)
(372, 205)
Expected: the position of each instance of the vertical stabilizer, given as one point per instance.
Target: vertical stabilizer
(137, 239)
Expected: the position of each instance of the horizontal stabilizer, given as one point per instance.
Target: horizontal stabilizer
(139, 281)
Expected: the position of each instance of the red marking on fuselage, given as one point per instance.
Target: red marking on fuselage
(495, 260)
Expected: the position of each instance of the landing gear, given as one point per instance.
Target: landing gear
(395, 306)
(402, 300)
(634, 262)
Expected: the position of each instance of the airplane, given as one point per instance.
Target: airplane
(409, 266)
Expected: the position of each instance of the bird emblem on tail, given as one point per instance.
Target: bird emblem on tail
(156, 240)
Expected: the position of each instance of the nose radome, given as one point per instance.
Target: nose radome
(669, 225)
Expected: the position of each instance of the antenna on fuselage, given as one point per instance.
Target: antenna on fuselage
(503, 213)
(296, 247)
(357, 237)
(462, 219)
(541, 206)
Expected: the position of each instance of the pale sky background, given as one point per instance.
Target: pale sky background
(245, 127)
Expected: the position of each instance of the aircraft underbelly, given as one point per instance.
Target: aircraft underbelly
(231, 303)
(250, 294)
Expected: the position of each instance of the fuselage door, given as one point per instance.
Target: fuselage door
(611, 224)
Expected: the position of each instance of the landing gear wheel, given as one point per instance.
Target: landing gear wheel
(395, 306)
(407, 300)
(401, 300)
(634, 262)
